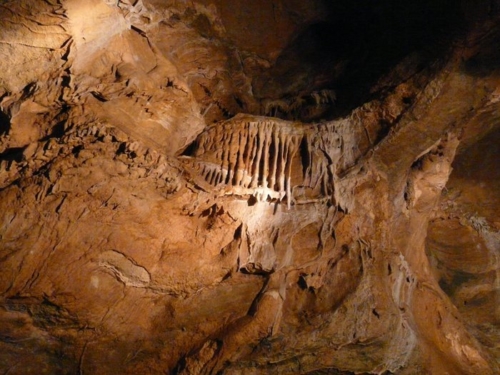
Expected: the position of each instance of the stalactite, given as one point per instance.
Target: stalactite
(254, 156)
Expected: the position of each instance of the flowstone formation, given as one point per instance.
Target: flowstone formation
(250, 155)
(264, 187)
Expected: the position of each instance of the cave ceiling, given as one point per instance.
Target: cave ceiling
(249, 187)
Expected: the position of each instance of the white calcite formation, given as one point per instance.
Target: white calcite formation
(272, 159)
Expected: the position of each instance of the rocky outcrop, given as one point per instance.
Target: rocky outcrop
(199, 188)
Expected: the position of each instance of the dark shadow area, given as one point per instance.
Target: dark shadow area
(190, 149)
(13, 154)
(487, 59)
(57, 131)
(360, 42)
(4, 123)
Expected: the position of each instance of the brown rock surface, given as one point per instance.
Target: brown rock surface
(249, 187)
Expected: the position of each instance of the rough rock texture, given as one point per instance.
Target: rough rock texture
(249, 187)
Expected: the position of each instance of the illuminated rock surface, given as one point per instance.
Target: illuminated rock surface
(249, 187)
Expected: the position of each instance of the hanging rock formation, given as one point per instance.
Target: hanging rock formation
(256, 156)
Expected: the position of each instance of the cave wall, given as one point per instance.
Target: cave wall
(203, 187)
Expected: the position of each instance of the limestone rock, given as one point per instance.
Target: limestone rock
(214, 187)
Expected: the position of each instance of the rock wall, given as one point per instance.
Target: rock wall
(178, 196)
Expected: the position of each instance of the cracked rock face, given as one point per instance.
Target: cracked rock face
(249, 187)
